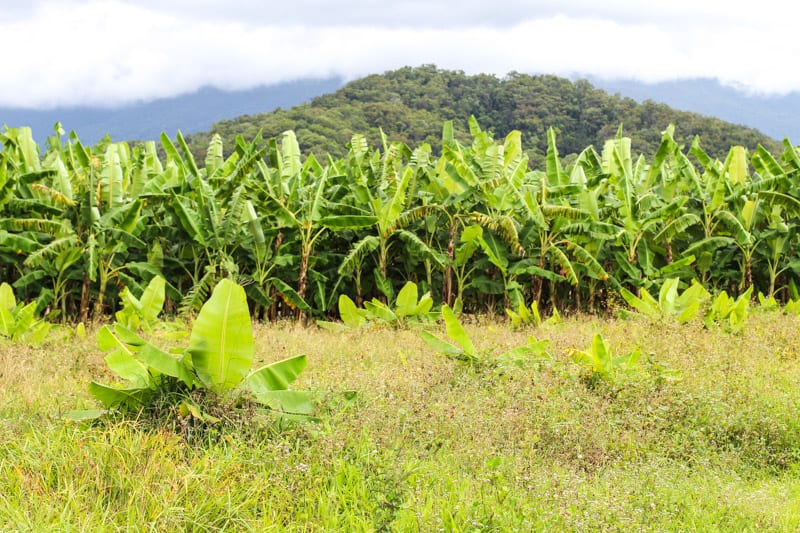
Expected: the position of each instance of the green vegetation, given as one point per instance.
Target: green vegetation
(18, 321)
(475, 228)
(212, 372)
(684, 307)
(430, 443)
(409, 309)
(659, 425)
(410, 104)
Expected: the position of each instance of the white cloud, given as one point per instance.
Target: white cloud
(111, 52)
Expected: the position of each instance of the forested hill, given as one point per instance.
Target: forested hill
(410, 104)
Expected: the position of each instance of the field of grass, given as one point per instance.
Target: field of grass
(429, 443)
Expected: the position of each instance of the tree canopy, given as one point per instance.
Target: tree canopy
(410, 105)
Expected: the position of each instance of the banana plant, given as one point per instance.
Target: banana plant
(217, 362)
(409, 308)
(527, 315)
(731, 313)
(384, 187)
(464, 349)
(603, 364)
(298, 196)
(488, 172)
(721, 220)
(18, 322)
(213, 213)
(555, 224)
(684, 306)
(142, 312)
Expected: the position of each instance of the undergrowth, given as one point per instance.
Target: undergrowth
(425, 442)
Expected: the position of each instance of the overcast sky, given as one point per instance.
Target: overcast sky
(108, 52)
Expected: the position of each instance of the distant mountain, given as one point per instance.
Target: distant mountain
(188, 112)
(777, 116)
(410, 105)
(211, 109)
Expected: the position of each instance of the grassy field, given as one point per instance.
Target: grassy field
(429, 443)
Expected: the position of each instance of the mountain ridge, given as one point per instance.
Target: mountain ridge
(410, 105)
(206, 109)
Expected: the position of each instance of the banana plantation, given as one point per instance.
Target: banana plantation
(479, 226)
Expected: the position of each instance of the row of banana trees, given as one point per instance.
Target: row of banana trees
(477, 224)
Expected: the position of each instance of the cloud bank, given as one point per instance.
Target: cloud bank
(108, 53)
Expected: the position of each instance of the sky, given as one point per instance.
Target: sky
(112, 52)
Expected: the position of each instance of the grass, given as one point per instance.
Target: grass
(430, 444)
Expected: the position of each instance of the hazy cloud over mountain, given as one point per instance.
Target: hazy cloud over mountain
(99, 52)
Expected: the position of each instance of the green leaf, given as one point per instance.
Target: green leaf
(290, 294)
(84, 415)
(276, 376)
(647, 305)
(152, 300)
(456, 332)
(221, 342)
(349, 313)
(7, 299)
(164, 363)
(6, 322)
(126, 366)
(668, 295)
(340, 222)
(288, 401)
(380, 311)
(112, 397)
(439, 345)
(384, 284)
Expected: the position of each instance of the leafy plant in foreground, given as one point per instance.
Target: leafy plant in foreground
(215, 366)
(792, 307)
(530, 315)
(602, 363)
(464, 349)
(142, 313)
(408, 308)
(729, 312)
(684, 306)
(18, 322)
(768, 303)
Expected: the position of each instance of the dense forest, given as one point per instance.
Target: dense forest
(410, 105)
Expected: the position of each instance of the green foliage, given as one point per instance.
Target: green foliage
(142, 313)
(216, 367)
(409, 104)
(527, 315)
(18, 322)
(533, 352)
(464, 349)
(684, 307)
(728, 312)
(601, 363)
(792, 307)
(480, 225)
(409, 309)
(768, 303)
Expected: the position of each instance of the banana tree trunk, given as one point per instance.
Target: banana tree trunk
(447, 292)
(84, 312)
(302, 283)
(97, 315)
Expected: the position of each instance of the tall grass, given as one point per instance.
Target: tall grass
(431, 444)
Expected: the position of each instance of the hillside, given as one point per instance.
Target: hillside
(410, 104)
